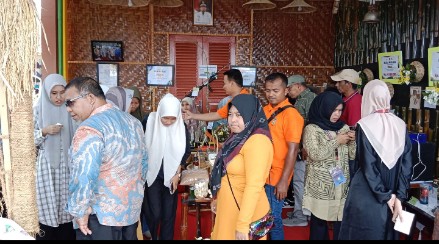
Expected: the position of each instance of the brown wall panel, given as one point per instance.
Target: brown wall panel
(289, 43)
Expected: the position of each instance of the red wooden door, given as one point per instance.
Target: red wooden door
(187, 53)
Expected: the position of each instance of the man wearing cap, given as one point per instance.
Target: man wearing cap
(202, 17)
(347, 84)
(298, 90)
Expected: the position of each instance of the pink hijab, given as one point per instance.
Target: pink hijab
(384, 130)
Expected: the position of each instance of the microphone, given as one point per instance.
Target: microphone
(213, 76)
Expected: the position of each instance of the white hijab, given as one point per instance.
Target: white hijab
(165, 143)
(120, 97)
(50, 114)
(385, 131)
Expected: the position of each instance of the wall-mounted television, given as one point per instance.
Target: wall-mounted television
(249, 74)
(108, 51)
(160, 75)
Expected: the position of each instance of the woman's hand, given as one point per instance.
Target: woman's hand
(241, 236)
(351, 135)
(391, 202)
(397, 210)
(51, 130)
(343, 138)
(174, 182)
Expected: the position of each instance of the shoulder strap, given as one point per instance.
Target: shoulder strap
(278, 111)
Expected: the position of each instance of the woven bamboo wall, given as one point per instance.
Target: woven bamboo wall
(299, 44)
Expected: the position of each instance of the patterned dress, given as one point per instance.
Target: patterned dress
(321, 197)
(51, 184)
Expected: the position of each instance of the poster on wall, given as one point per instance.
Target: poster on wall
(433, 66)
(389, 65)
(205, 71)
(159, 75)
(108, 74)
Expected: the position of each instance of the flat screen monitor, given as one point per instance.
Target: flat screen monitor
(249, 75)
(108, 51)
(160, 75)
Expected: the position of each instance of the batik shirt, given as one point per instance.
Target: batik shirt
(109, 163)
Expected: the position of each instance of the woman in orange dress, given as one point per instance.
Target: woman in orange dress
(240, 171)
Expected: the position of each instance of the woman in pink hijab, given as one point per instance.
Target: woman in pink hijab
(383, 168)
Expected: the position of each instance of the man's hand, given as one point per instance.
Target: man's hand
(281, 190)
(213, 206)
(188, 115)
(83, 223)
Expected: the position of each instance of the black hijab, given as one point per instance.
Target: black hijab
(321, 110)
(255, 122)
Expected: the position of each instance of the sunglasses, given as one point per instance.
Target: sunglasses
(70, 102)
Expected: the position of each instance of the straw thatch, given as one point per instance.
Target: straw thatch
(18, 52)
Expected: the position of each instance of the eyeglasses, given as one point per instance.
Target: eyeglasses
(70, 102)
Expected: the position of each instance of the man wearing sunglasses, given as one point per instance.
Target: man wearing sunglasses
(108, 165)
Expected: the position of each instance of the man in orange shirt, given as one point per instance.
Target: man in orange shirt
(233, 83)
(286, 130)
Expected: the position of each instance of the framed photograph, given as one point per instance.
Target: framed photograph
(203, 12)
(108, 74)
(108, 51)
(160, 75)
(249, 75)
(433, 66)
(415, 97)
(389, 66)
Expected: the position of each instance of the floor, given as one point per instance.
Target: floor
(291, 233)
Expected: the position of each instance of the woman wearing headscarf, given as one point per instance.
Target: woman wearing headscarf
(53, 134)
(383, 169)
(195, 127)
(241, 170)
(120, 97)
(136, 104)
(330, 145)
(168, 147)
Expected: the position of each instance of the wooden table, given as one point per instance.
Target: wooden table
(200, 205)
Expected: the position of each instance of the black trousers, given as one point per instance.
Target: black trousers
(103, 232)
(160, 207)
(62, 232)
(318, 229)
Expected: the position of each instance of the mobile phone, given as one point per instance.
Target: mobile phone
(171, 188)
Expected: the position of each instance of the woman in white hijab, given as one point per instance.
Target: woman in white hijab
(168, 145)
(53, 134)
(383, 168)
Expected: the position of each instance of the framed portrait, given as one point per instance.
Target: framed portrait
(160, 75)
(203, 12)
(433, 66)
(108, 51)
(389, 66)
(107, 74)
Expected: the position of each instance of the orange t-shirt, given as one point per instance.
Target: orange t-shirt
(287, 126)
(224, 110)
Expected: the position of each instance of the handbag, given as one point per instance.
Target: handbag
(258, 228)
